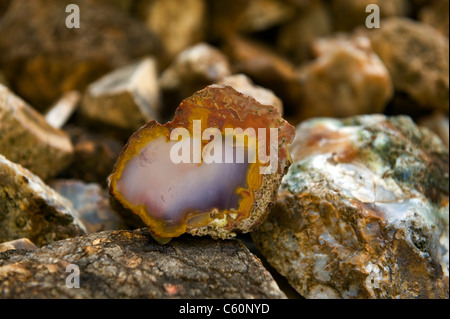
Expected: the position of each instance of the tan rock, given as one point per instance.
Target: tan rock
(363, 212)
(26, 138)
(31, 209)
(192, 70)
(126, 98)
(347, 78)
(178, 23)
(416, 56)
(265, 67)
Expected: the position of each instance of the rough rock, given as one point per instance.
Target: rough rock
(26, 138)
(22, 243)
(265, 67)
(347, 78)
(31, 209)
(42, 58)
(94, 155)
(416, 56)
(243, 84)
(363, 212)
(92, 204)
(126, 98)
(311, 23)
(436, 14)
(130, 264)
(177, 23)
(192, 70)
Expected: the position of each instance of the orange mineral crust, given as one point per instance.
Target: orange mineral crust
(214, 170)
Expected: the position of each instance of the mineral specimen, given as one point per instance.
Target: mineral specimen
(219, 189)
(363, 211)
(27, 139)
(129, 264)
(126, 98)
(347, 78)
(31, 209)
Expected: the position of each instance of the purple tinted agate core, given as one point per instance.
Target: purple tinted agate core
(168, 190)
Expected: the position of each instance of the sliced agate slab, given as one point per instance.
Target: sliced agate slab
(213, 170)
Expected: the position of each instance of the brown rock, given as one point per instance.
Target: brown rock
(225, 17)
(92, 204)
(265, 67)
(94, 155)
(27, 139)
(346, 79)
(22, 243)
(31, 209)
(42, 58)
(130, 264)
(363, 212)
(178, 23)
(296, 37)
(436, 15)
(416, 56)
(192, 70)
(126, 98)
(243, 84)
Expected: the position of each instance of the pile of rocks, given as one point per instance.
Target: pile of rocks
(363, 211)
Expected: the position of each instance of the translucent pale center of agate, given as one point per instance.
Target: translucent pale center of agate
(169, 190)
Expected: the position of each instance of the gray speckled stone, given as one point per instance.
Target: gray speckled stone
(130, 264)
